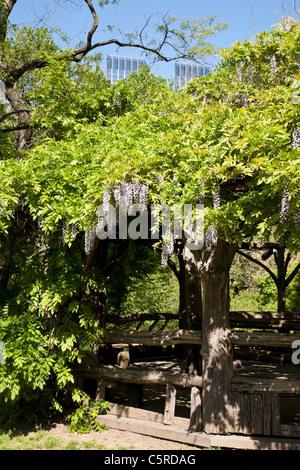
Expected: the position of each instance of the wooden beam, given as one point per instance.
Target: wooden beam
(138, 375)
(153, 338)
(259, 338)
(254, 379)
(238, 319)
(184, 436)
(280, 380)
(284, 321)
(173, 337)
(119, 319)
(145, 415)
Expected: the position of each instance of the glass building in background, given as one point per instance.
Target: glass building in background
(185, 72)
(121, 67)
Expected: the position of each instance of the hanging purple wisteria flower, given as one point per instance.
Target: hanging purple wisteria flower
(285, 205)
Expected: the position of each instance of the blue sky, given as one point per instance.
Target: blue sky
(243, 20)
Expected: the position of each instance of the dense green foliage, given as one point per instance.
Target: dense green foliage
(84, 418)
(142, 285)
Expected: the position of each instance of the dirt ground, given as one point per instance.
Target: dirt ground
(111, 439)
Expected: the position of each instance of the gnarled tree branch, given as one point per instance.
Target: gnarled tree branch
(259, 263)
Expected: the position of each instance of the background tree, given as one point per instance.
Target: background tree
(283, 279)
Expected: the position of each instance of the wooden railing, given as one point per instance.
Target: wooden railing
(173, 337)
(280, 321)
(138, 321)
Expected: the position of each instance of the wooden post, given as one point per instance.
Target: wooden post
(123, 358)
(170, 404)
(100, 392)
(196, 410)
(135, 395)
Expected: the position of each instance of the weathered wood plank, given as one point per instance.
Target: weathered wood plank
(284, 321)
(263, 354)
(100, 391)
(146, 415)
(275, 412)
(196, 410)
(173, 337)
(258, 338)
(121, 319)
(256, 384)
(170, 403)
(184, 436)
(153, 338)
(139, 375)
(254, 378)
(256, 413)
(267, 414)
(285, 385)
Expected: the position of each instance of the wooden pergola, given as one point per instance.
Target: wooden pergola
(262, 370)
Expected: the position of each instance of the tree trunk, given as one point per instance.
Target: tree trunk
(281, 274)
(190, 305)
(5, 261)
(217, 362)
(23, 113)
(99, 297)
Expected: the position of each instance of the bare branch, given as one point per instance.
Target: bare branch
(92, 30)
(169, 35)
(253, 18)
(17, 128)
(13, 113)
(80, 53)
(173, 267)
(262, 265)
(143, 28)
(288, 259)
(292, 275)
(295, 7)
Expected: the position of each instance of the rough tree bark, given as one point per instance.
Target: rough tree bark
(217, 362)
(190, 305)
(23, 113)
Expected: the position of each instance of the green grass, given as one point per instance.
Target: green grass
(126, 448)
(43, 440)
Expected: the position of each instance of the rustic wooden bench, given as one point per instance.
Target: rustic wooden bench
(255, 387)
